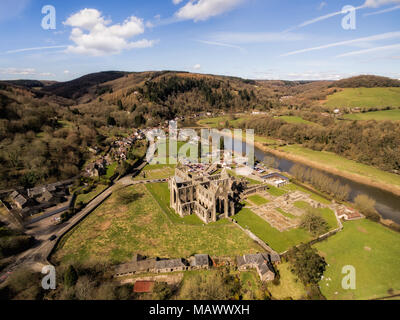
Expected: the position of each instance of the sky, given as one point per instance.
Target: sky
(255, 39)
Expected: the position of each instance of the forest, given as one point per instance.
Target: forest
(46, 127)
(369, 142)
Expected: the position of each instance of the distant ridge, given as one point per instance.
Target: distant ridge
(366, 81)
(75, 89)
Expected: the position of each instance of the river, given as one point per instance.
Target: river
(387, 204)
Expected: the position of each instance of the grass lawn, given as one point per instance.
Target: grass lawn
(290, 287)
(115, 231)
(364, 98)
(111, 170)
(156, 171)
(218, 122)
(276, 192)
(286, 214)
(314, 196)
(294, 119)
(392, 115)
(374, 252)
(332, 160)
(86, 198)
(258, 200)
(265, 140)
(251, 285)
(279, 241)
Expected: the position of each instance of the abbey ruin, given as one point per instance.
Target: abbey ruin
(196, 190)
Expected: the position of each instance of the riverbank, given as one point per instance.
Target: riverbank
(394, 189)
(375, 181)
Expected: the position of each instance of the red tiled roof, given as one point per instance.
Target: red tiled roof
(143, 286)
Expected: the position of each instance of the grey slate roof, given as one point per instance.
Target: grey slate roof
(20, 200)
(263, 268)
(201, 260)
(170, 264)
(14, 194)
(137, 266)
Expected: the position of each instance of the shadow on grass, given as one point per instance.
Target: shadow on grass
(126, 197)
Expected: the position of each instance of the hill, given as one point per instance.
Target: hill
(365, 98)
(75, 89)
(367, 81)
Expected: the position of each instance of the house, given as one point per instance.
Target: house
(143, 286)
(347, 213)
(260, 261)
(173, 265)
(18, 199)
(200, 261)
(136, 266)
(45, 197)
(276, 179)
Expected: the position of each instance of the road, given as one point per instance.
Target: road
(37, 256)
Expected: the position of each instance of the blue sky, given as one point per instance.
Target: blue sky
(258, 39)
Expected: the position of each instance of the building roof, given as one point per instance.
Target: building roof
(46, 196)
(143, 286)
(275, 257)
(20, 200)
(252, 259)
(14, 194)
(263, 268)
(240, 261)
(170, 264)
(201, 260)
(136, 266)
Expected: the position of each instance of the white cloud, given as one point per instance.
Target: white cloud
(255, 37)
(322, 5)
(382, 11)
(306, 75)
(94, 35)
(197, 67)
(220, 44)
(176, 1)
(200, 10)
(383, 36)
(25, 72)
(34, 49)
(367, 51)
(66, 72)
(379, 3)
(16, 71)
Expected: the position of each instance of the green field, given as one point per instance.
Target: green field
(258, 200)
(219, 122)
(279, 241)
(364, 98)
(294, 119)
(290, 287)
(115, 231)
(86, 198)
(156, 171)
(387, 115)
(342, 164)
(111, 169)
(374, 252)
